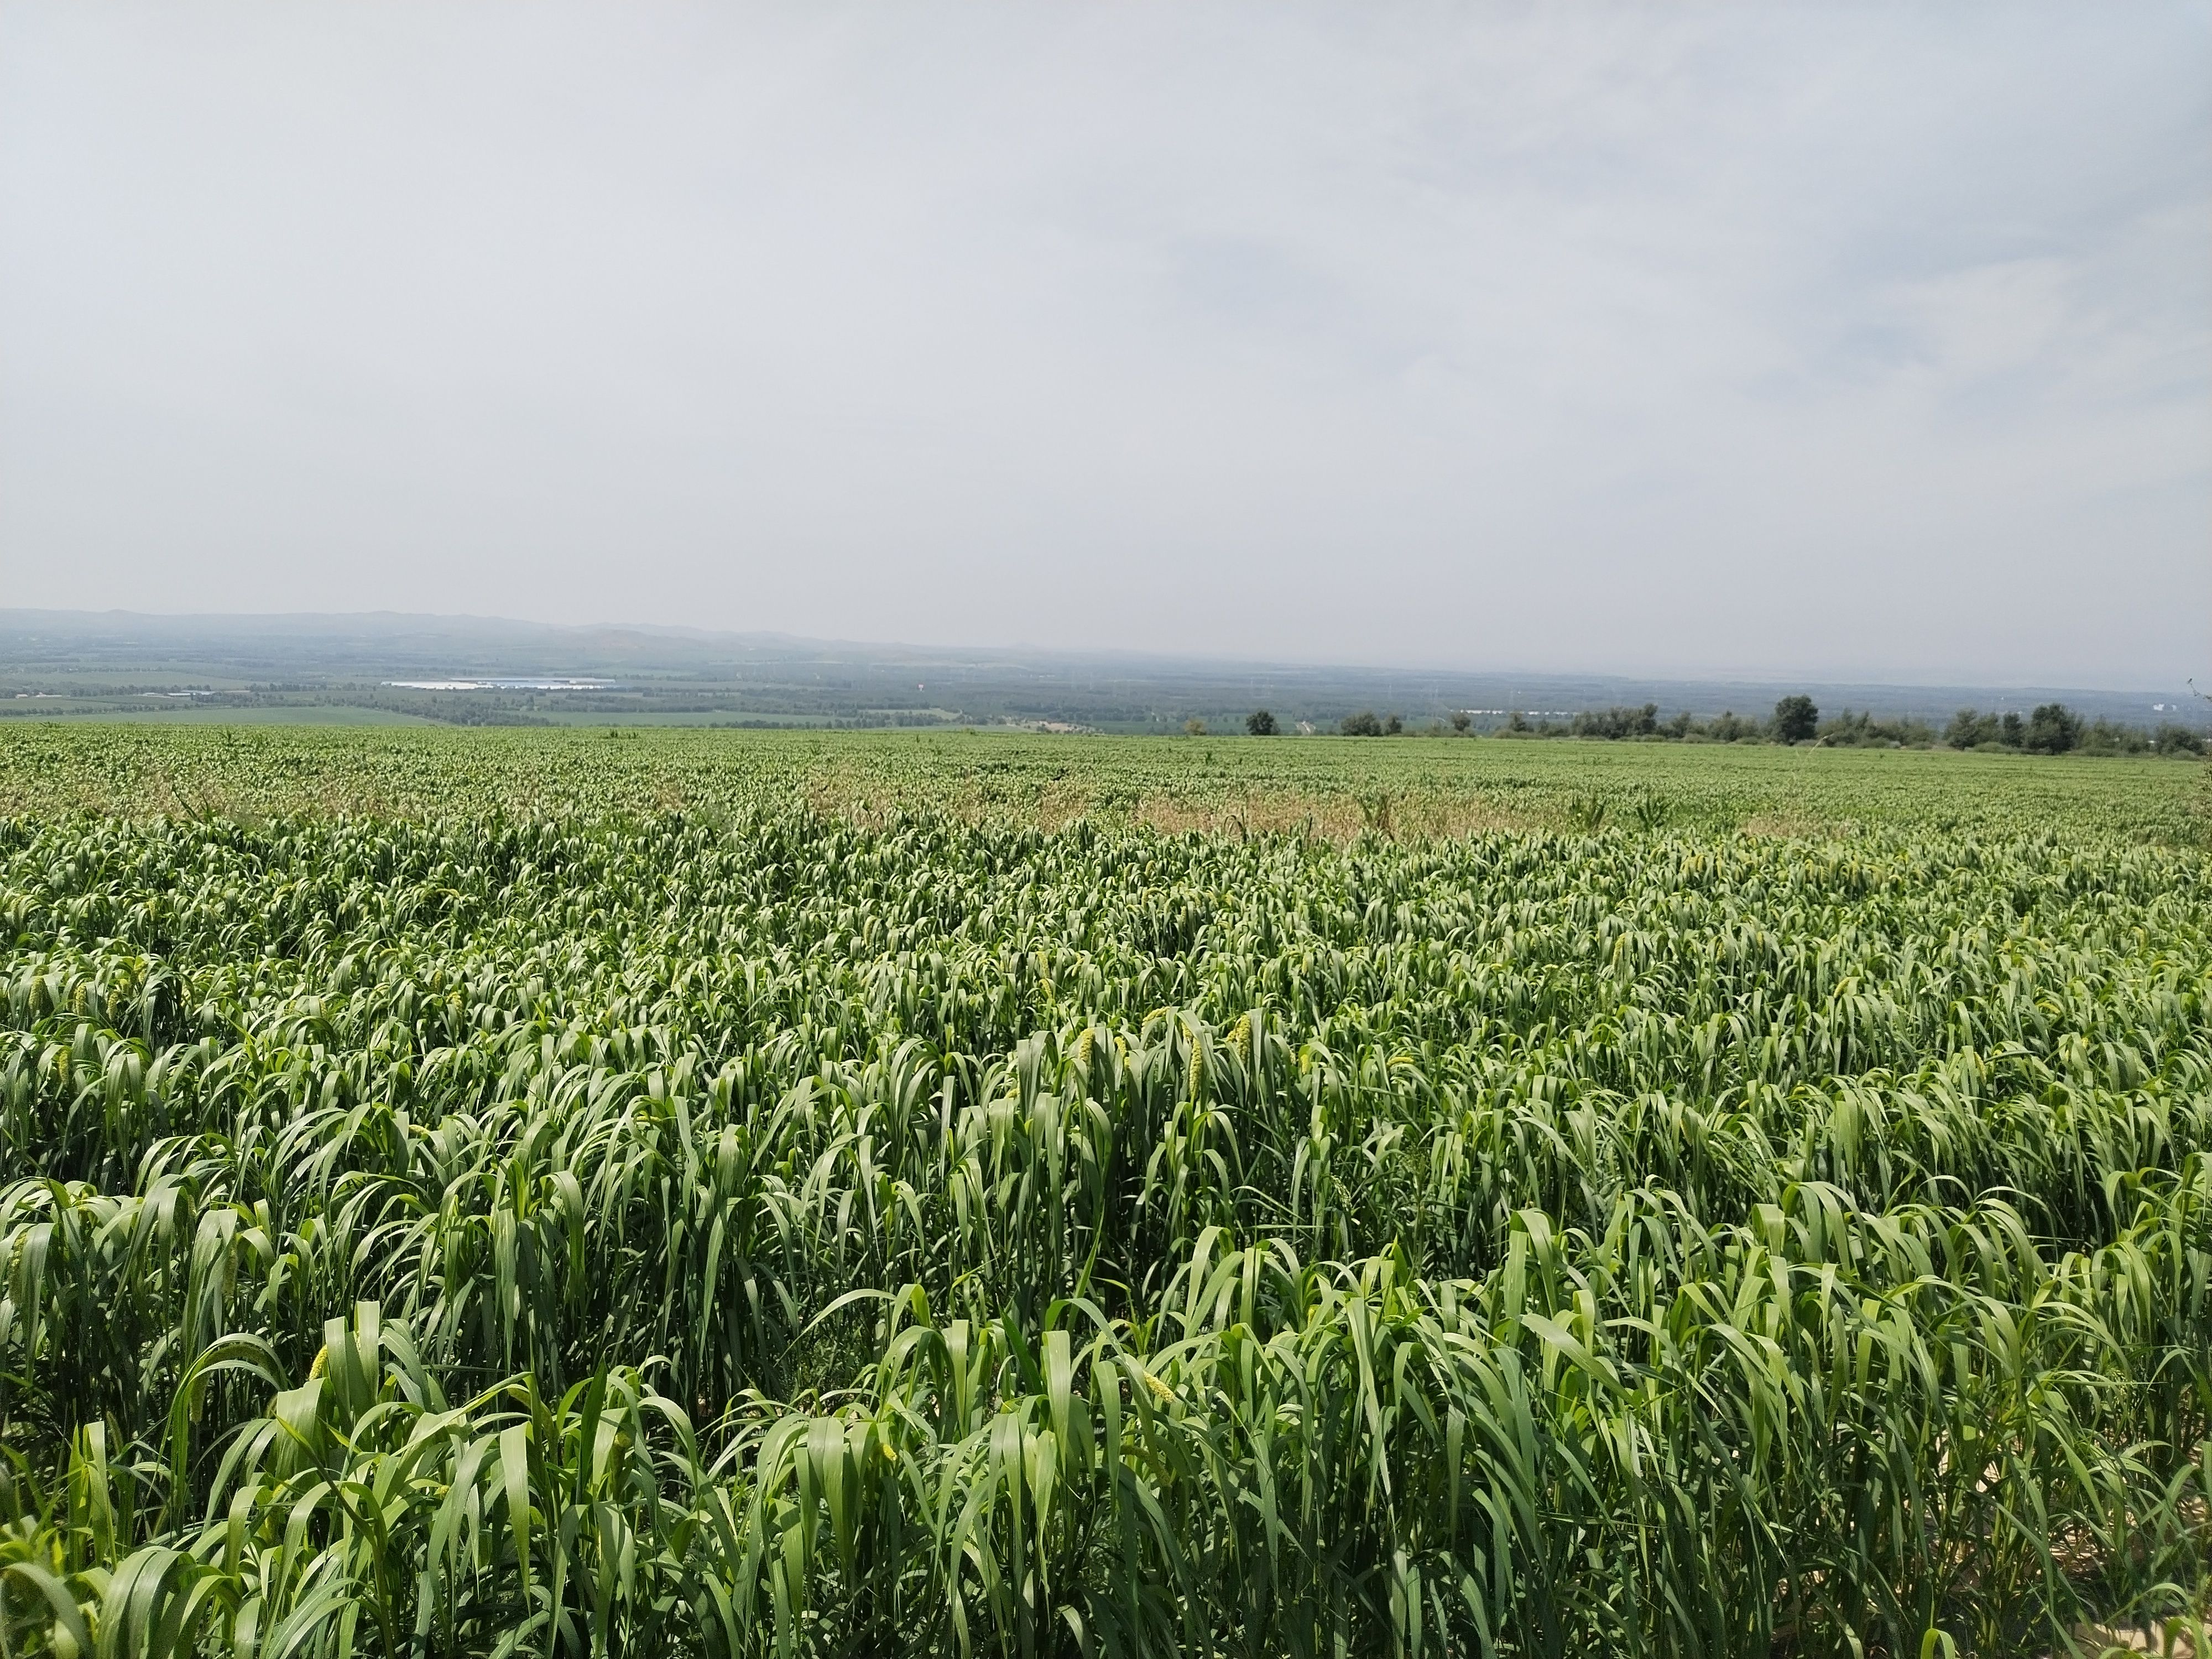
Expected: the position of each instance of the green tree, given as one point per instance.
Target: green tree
(2052, 729)
(1461, 720)
(1392, 726)
(1969, 728)
(1259, 723)
(1195, 727)
(1361, 724)
(1796, 719)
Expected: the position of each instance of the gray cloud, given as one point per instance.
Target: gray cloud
(1867, 341)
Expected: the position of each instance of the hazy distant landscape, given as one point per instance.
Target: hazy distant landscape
(358, 669)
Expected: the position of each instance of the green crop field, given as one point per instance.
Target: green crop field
(555, 1193)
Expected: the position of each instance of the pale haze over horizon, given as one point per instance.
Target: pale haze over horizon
(1868, 342)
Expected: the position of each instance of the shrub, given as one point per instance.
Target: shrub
(1863, 731)
(1616, 722)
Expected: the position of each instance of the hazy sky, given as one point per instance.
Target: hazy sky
(1852, 340)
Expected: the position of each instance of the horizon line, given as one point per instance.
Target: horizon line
(1830, 677)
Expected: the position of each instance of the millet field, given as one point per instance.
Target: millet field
(757, 1194)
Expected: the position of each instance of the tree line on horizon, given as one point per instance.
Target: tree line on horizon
(2051, 728)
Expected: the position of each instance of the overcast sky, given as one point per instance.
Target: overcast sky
(1860, 340)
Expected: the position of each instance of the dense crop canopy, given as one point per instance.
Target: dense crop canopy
(759, 1228)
